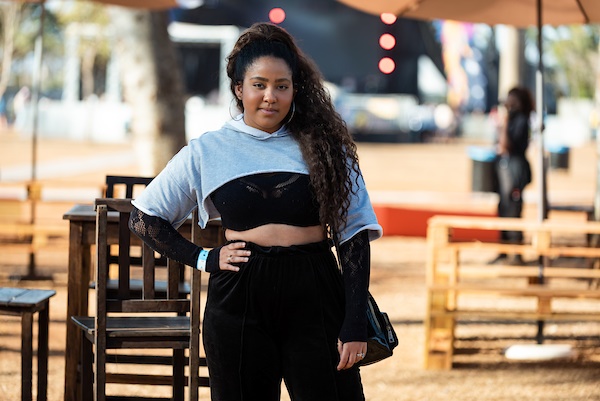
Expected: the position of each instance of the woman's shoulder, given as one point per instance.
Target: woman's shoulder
(210, 138)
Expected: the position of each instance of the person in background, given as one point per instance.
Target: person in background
(512, 167)
(284, 178)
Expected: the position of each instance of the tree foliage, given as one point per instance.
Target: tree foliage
(89, 20)
(575, 51)
(20, 27)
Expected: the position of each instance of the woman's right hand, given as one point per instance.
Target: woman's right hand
(233, 253)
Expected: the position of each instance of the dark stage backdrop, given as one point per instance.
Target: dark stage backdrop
(342, 41)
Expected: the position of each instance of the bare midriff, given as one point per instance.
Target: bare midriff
(278, 235)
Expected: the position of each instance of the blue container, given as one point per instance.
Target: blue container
(559, 156)
(483, 177)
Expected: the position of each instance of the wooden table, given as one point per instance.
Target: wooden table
(82, 235)
(25, 303)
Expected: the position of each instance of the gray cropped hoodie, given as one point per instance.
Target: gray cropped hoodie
(234, 151)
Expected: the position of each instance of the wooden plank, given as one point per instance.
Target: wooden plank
(515, 315)
(32, 298)
(139, 379)
(150, 342)
(30, 248)
(24, 229)
(22, 298)
(26, 355)
(533, 290)
(555, 251)
(13, 210)
(100, 341)
(149, 305)
(437, 238)
(515, 224)
(7, 294)
(499, 271)
(42, 357)
(76, 306)
(491, 246)
(149, 323)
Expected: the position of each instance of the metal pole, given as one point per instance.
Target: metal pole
(33, 188)
(595, 237)
(540, 109)
(36, 90)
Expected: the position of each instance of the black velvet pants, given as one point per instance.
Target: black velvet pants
(278, 318)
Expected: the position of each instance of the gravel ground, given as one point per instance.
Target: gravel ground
(481, 371)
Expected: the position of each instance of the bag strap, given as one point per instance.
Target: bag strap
(336, 243)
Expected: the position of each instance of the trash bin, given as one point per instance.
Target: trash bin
(484, 177)
(559, 156)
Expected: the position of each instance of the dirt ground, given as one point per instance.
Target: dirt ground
(481, 371)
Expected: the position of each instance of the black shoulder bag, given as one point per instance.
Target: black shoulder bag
(381, 337)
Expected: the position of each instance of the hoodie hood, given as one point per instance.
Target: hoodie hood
(238, 124)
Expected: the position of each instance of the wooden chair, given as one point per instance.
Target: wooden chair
(127, 319)
(121, 186)
(115, 182)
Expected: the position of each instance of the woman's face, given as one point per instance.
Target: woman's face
(512, 103)
(267, 93)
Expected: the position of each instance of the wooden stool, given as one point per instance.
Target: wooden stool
(24, 302)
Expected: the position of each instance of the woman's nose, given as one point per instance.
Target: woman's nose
(270, 96)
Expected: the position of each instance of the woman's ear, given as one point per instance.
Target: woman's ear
(238, 91)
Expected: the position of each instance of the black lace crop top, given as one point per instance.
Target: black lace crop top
(254, 200)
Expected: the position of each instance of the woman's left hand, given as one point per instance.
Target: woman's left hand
(351, 353)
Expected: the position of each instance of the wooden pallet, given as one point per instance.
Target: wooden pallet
(452, 277)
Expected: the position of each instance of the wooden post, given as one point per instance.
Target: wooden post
(439, 331)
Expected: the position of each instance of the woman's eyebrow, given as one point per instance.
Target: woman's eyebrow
(259, 78)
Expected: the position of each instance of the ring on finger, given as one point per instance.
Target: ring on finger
(361, 355)
(229, 258)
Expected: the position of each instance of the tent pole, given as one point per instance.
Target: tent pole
(33, 188)
(540, 109)
(35, 96)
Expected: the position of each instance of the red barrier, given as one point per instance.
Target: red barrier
(405, 221)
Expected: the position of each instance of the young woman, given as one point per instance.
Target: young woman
(283, 176)
(512, 167)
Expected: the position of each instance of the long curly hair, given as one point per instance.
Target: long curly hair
(327, 146)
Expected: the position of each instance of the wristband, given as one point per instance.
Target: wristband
(201, 264)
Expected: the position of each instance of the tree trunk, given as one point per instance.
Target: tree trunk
(87, 72)
(152, 85)
(10, 18)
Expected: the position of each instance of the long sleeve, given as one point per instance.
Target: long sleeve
(161, 236)
(355, 259)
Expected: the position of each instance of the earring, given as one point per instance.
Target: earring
(292, 114)
(241, 115)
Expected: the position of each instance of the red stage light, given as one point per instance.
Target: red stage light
(388, 18)
(387, 41)
(387, 65)
(277, 15)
